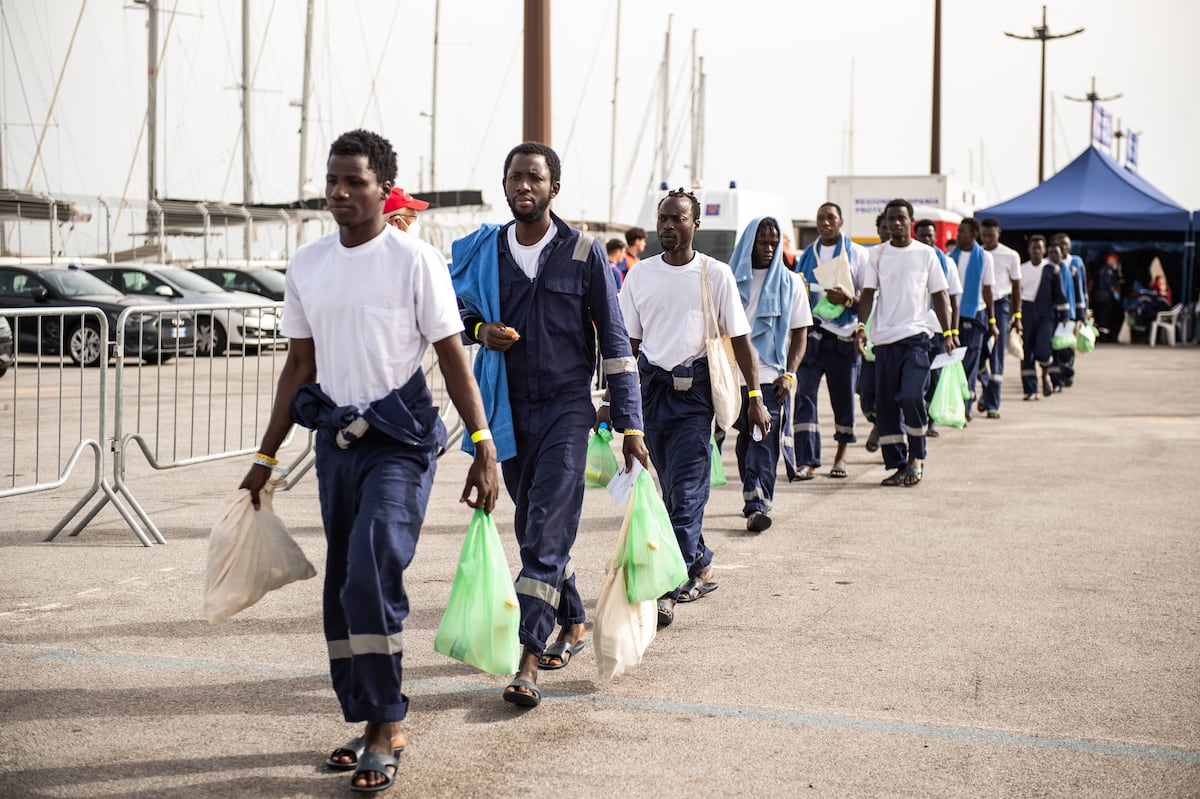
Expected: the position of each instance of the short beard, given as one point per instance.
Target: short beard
(535, 214)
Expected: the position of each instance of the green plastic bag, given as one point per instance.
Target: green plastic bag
(869, 347)
(1064, 336)
(651, 558)
(717, 471)
(948, 406)
(482, 617)
(601, 462)
(827, 310)
(1086, 340)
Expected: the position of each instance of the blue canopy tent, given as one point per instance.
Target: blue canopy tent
(1105, 208)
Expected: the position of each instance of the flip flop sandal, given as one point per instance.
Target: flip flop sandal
(913, 475)
(805, 473)
(873, 441)
(895, 479)
(838, 471)
(666, 613)
(520, 698)
(377, 763)
(355, 746)
(563, 651)
(693, 590)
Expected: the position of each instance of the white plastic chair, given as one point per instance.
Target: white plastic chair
(1166, 321)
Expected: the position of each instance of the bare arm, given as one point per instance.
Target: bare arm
(941, 307)
(865, 306)
(756, 411)
(797, 345)
(482, 477)
(1014, 305)
(990, 303)
(300, 368)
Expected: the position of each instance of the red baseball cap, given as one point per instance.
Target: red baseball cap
(400, 199)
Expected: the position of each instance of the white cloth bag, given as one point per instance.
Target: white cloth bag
(726, 396)
(249, 553)
(622, 631)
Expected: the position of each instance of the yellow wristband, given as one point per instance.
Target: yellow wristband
(754, 392)
(991, 320)
(954, 331)
(482, 434)
(631, 432)
(477, 326)
(790, 376)
(267, 459)
(1017, 315)
(947, 333)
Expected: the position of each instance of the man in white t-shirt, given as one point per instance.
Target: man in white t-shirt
(1007, 262)
(776, 303)
(977, 317)
(361, 307)
(925, 231)
(830, 352)
(906, 276)
(661, 304)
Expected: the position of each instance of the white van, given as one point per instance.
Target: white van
(724, 214)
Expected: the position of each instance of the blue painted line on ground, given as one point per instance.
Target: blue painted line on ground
(852, 723)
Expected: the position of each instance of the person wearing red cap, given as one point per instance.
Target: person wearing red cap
(400, 210)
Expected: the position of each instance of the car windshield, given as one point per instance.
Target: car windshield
(73, 283)
(271, 278)
(189, 281)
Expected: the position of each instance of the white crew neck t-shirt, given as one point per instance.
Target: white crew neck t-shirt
(904, 279)
(661, 306)
(1008, 269)
(371, 311)
(527, 257)
(801, 316)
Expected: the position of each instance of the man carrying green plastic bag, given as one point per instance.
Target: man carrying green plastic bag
(482, 617)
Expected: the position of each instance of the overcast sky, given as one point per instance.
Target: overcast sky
(778, 93)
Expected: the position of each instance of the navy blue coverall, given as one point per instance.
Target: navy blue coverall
(559, 315)
(1039, 317)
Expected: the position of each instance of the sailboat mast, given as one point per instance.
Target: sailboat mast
(664, 144)
(612, 149)
(247, 171)
(152, 100)
(692, 116)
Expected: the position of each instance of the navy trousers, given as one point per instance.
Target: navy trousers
(936, 347)
(902, 375)
(837, 360)
(373, 497)
(991, 376)
(973, 332)
(1039, 328)
(1065, 374)
(866, 389)
(545, 482)
(678, 435)
(758, 461)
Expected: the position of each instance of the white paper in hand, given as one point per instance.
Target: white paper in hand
(622, 484)
(835, 273)
(944, 359)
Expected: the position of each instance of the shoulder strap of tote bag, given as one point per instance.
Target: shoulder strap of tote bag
(712, 328)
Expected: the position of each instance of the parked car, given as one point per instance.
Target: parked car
(154, 337)
(216, 330)
(7, 352)
(260, 280)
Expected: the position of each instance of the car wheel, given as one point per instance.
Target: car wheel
(85, 346)
(210, 337)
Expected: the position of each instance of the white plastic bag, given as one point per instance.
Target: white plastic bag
(622, 631)
(249, 554)
(1016, 347)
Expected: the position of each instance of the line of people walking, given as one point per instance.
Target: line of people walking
(364, 303)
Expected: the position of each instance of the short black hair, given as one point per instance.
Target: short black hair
(614, 245)
(834, 206)
(990, 221)
(878, 220)
(898, 203)
(536, 148)
(925, 223)
(1037, 237)
(381, 157)
(971, 222)
(1058, 236)
(633, 234)
(682, 192)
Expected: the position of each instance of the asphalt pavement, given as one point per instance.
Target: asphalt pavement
(1026, 622)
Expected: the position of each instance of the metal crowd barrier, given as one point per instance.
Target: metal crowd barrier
(178, 408)
(52, 411)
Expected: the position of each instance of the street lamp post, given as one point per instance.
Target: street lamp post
(1043, 35)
